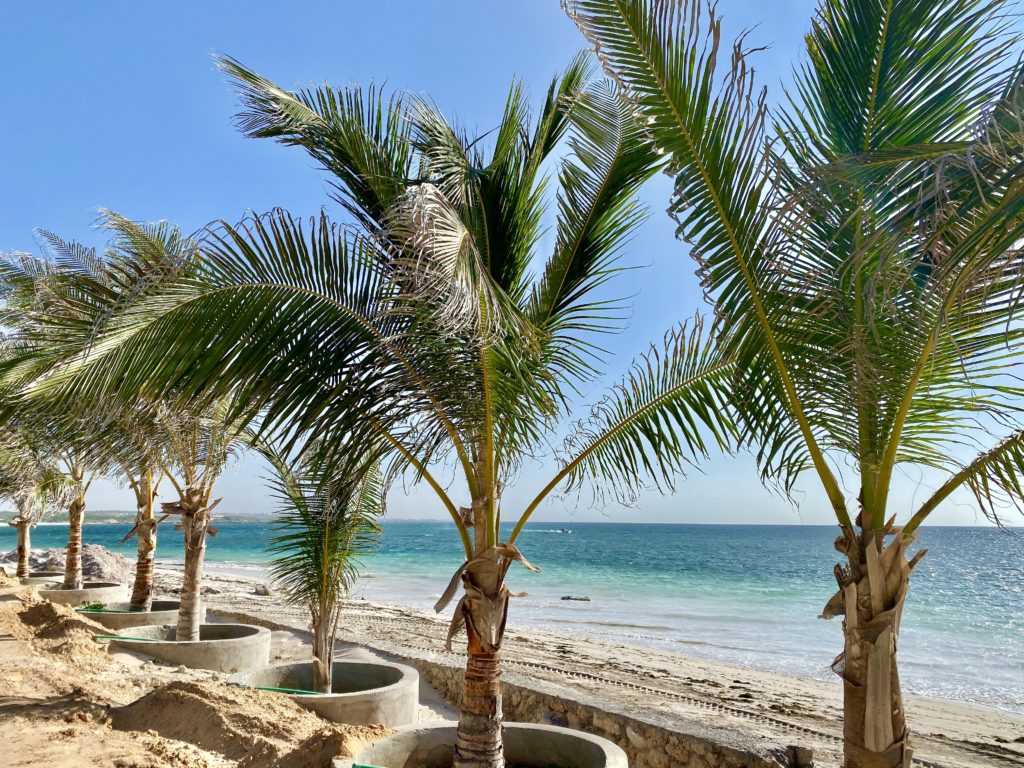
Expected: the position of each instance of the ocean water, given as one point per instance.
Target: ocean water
(743, 594)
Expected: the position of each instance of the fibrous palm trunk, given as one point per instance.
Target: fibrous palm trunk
(323, 647)
(872, 592)
(483, 610)
(195, 522)
(145, 531)
(24, 527)
(73, 556)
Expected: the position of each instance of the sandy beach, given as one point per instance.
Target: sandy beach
(66, 700)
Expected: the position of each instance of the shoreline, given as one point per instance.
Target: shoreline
(663, 686)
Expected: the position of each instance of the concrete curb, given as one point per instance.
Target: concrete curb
(365, 693)
(162, 612)
(91, 592)
(43, 577)
(431, 747)
(221, 647)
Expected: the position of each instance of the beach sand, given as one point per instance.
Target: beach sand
(781, 708)
(65, 701)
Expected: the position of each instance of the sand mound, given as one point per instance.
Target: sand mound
(98, 563)
(59, 743)
(58, 630)
(255, 728)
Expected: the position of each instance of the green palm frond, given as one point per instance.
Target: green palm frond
(862, 252)
(598, 212)
(327, 520)
(668, 413)
(995, 478)
(362, 138)
(708, 118)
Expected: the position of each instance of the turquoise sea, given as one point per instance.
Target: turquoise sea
(744, 594)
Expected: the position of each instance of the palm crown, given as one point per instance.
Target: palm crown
(419, 323)
(864, 260)
(860, 245)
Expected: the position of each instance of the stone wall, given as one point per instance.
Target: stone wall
(651, 741)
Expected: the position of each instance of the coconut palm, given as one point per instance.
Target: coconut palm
(420, 327)
(200, 446)
(33, 483)
(327, 517)
(60, 291)
(57, 303)
(861, 249)
(134, 441)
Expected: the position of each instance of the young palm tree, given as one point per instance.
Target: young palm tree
(134, 441)
(200, 445)
(420, 326)
(57, 304)
(327, 518)
(37, 292)
(862, 252)
(33, 483)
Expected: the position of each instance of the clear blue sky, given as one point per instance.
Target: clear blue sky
(119, 105)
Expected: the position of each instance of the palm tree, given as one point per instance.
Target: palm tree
(420, 327)
(327, 517)
(861, 249)
(36, 289)
(135, 442)
(33, 483)
(200, 446)
(56, 304)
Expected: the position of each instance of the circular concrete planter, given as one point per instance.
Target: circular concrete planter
(120, 615)
(526, 744)
(364, 693)
(220, 647)
(91, 592)
(43, 577)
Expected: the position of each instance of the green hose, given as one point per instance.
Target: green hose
(133, 639)
(293, 691)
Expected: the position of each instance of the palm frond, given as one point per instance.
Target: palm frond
(668, 412)
(327, 520)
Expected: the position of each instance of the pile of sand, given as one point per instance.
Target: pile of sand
(58, 630)
(59, 690)
(254, 728)
(31, 742)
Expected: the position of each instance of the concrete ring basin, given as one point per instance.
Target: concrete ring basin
(220, 647)
(91, 592)
(43, 577)
(525, 744)
(120, 615)
(364, 693)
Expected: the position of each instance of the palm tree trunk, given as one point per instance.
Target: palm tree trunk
(145, 531)
(483, 608)
(73, 556)
(323, 649)
(479, 744)
(24, 545)
(872, 592)
(195, 522)
(142, 588)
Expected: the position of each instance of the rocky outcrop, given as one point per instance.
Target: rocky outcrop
(98, 563)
